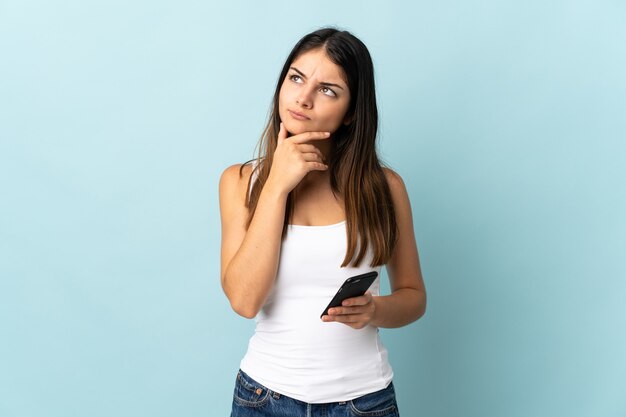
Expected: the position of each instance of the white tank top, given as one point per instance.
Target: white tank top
(293, 352)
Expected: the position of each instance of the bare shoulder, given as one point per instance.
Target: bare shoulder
(235, 174)
(399, 195)
(233, 185)
(396, 184)
(234, 177)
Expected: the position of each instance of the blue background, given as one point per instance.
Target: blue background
(505, 119)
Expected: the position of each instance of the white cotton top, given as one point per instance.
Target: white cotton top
(293, 352)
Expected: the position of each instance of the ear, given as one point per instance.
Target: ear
(348, 119)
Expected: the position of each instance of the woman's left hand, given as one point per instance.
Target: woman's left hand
(356, 312)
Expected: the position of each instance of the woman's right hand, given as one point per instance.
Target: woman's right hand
(293, 159)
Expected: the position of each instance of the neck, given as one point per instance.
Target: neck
(325, 146)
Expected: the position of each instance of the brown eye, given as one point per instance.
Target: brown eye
(331, 91)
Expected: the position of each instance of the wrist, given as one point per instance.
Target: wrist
(376, 313)
(274, 190)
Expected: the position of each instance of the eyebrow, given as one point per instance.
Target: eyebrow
(326, 84)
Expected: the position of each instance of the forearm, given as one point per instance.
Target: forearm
(398, 309)
(251, 273)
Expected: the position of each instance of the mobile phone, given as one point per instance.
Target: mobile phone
(352, 287)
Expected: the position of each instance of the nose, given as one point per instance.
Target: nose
(304, 98)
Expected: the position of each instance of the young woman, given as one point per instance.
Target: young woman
(315, 208)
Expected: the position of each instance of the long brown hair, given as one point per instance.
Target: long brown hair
(356, 172)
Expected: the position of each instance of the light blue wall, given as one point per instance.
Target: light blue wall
(506, 120)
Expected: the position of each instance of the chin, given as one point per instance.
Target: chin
(295, 128)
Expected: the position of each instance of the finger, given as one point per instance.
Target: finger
(312, 157)
(316, 166)
(306, 147)
(307, 136)
(347, 311)
(282, 133)
(353, 322)
(358, 301)
(347, 319)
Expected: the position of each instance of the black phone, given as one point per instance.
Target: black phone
(352, 287)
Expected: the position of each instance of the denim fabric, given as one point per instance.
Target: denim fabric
(252, 399)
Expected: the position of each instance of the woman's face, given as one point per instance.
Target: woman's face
(315, 89)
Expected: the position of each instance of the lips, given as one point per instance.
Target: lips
(297, 115)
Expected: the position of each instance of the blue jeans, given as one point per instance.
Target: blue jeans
(252, 399)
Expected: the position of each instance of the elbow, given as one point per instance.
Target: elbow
(421, 310)
(244, 310)
(418, 305)
(244, 307)
(239, 303)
